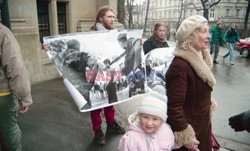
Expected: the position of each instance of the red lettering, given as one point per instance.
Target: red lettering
(100, 76)
(90, 74)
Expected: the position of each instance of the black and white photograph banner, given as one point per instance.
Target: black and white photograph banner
(100, 69)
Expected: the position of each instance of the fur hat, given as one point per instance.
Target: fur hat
(153, 105)
(188, 26)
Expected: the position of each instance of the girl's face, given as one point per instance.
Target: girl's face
(201, 39)
(150, 123)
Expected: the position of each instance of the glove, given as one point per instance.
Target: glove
(236, 122)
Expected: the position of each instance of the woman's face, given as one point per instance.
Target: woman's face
(201, 39)
(160, 32)
(233, 25)
(150, 123)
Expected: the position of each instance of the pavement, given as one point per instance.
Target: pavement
(54, 123)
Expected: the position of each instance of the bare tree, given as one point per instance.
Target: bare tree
(179, 19)
(146, 16)
(247, 15)
(130, 4)
(121, 11)
(206, 6)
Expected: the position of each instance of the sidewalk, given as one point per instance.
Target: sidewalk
(54, 122)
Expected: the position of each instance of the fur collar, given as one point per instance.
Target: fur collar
(201, 65)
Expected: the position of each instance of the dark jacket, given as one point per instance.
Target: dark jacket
(189, 83)
(152, 43)
(231, 36)
(216, 36)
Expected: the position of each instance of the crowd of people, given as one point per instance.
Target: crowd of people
(182, 122)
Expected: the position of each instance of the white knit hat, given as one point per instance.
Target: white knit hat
(188, 26)
(153, 105)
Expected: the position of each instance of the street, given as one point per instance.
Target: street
(55, 123)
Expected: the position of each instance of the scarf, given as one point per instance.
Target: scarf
(100, 27)
(201, 65)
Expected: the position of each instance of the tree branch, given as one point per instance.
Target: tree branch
(215, 3)
(198, 9)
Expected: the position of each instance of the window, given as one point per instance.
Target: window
(227, 12)
(237, 12)
(191, 12)
(43, 19)
(211, 13)
(61, 14)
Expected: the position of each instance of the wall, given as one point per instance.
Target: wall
(24, 23)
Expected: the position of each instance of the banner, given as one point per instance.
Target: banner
(105, 68)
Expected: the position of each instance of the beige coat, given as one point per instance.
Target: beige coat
(13, 74)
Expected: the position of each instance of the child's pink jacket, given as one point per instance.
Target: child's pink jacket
(137, 140)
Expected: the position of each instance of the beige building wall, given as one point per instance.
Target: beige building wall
(24, 24)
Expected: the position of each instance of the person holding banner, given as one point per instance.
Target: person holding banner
(15, 91)
(104, 21)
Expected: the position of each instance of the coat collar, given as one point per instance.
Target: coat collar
(201, 65)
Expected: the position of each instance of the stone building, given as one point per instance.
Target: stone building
(168, 12)
(31, 20)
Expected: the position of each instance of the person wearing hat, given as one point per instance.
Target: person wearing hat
(216, 40)
(189, 82)
(147, 127)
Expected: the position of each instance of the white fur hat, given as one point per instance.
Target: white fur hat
(188, 26)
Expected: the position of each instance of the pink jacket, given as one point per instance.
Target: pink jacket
(137, 140)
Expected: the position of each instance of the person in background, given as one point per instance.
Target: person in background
(148, 130)
(104, 21)
(15, 91)
(216, 40)
(157, 40)
(189, 82)
(231, 37)
(111, 86)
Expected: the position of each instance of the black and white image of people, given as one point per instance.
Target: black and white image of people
(105, 67)
(157, 62)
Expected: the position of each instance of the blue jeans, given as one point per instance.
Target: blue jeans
(10, 134)
(230, 52)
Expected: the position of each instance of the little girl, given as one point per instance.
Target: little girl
(148, 130)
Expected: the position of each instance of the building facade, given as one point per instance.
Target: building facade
(172, 12)
(31, 20)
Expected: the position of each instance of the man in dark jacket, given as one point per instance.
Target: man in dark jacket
(216, 40)
(157, 40)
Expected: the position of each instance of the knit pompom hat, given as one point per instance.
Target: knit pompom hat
(188, 26)
(153, 105)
